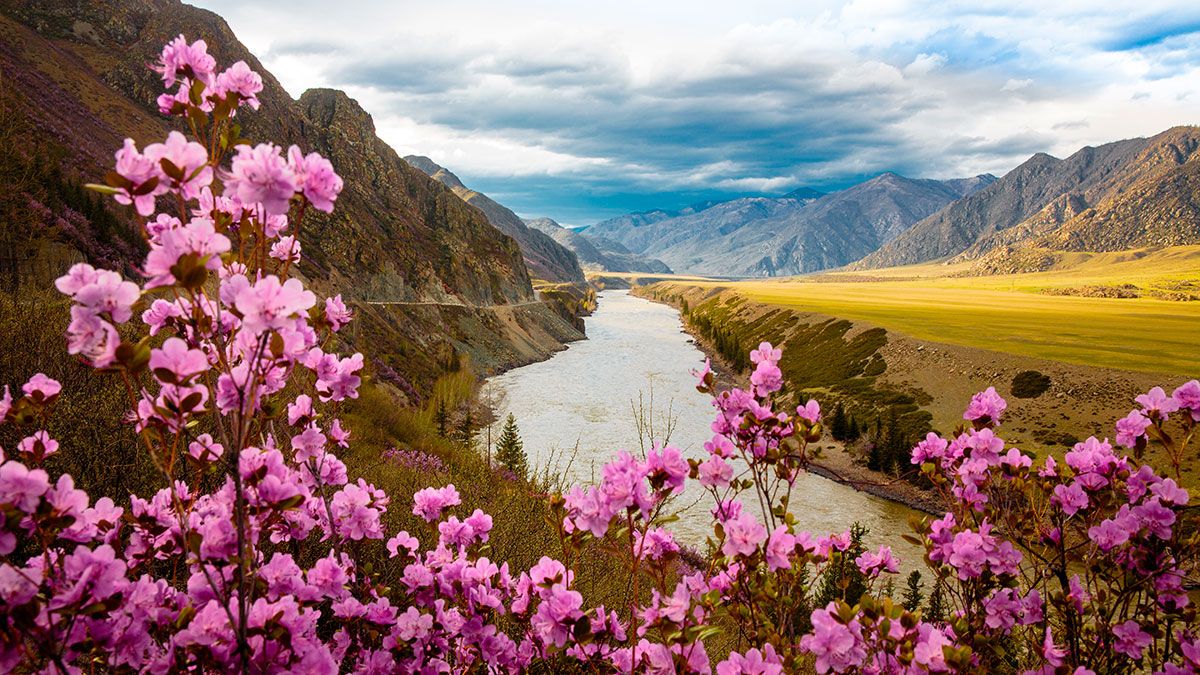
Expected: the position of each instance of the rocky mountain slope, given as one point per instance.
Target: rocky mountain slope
(598, 254)
(762, 236)
(1126, 194)
(76, 73)
(546, 258)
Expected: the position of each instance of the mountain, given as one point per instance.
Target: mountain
(1120, 195)
(764, 236)
(75, 76)
(598, 253)
(545, 258)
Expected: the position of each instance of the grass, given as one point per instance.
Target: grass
(1010, 313)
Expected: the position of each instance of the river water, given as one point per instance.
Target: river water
(577, 409)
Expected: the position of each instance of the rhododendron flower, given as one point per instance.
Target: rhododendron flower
(1187, 397)
(765, 353)
(714, 472)
(985, 407)
(1131, 639)
(180, 60)
(668, 466)
(655, 544)
(743, 534)
(100, 291)
(871, 564)
(1156, 403)
(809, 412)
(286, 249)
(176, 362)
(336, 313)
(92, 337)
(753, 662)
(197, 238)
(260, 175)
(315, 178)
(766, 378)
(205, 449)
(189, 170)
(1070, 498)
(240, 81)
(38, 446)
(1131, 428)
(780, 547)
(41, 388)
(144, 176)
(270, 305)
(430, 502)
(838, 647)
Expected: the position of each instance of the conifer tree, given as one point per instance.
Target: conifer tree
(510, 450)
(911, 600)
(837, 423)
(935, 608)
(466, 429)
(441, 418)
(842, 579)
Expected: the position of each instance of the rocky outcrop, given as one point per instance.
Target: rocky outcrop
(547, 259)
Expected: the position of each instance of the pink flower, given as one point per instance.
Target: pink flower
(22, 487)
(1070, 498)
(985, 407)
(766, 378)
(199, 238)
(656, 543)
(184, 164)
(315, 178)
(92, 337)
(176, 362)
(144, 176)
(308, 444)
(338, 434)
(260, 175)
(301, 411)
(743, 534)
(872, 564)
(205, 449)
(668, 467)
(38, 447)
(286, 249)
(336, 313)
(810, 412)
(270, 305)
(240, 81)
(780, 548)
(100, 291)
(1187, 397)
(1131, 428)
(766, 354)
(714, 472)
(41, 388)
(1131, 639)
(179, 60)
(838, 647)
(1156, 402)
(753, 662)
(430, 502)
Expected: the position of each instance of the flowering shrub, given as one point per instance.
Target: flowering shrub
(252, 559)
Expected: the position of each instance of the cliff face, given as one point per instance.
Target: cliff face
(75, 72)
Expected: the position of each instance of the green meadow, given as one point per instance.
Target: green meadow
(1014, 313)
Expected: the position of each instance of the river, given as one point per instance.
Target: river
(577, 409)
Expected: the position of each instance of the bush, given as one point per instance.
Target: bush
(1030, 384)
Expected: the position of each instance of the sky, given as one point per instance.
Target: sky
(581, 111)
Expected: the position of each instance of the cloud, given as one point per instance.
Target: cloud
(578, 111)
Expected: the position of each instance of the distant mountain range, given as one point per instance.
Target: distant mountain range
(598, 254)
(545, 258)
(803, 231)
(1127, 194)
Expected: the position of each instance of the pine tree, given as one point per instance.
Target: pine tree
(935, 608)
(510, 450)
(466, 429)
(853, 432)
(441, 418)
(911, 600)
(837, 424)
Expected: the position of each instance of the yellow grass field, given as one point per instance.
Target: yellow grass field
(1011, 313)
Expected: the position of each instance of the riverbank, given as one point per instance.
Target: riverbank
(834, 462)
